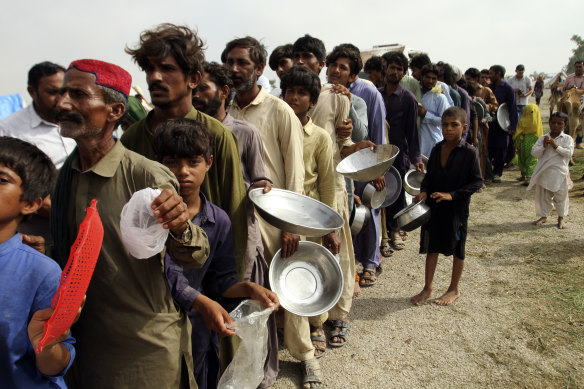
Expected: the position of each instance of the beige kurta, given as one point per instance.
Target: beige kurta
(319, 172)
(130, 334)
(282, 136)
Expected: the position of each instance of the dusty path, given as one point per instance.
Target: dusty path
(519, 321)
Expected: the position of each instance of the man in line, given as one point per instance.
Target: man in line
(523, 88)
(417, 62)
(212, 96)
(485, 93)
(130, 333)
(374, 69)
(280, 61)
(434, 103)
(172, 58)
(282, 137)
(402, 113)
(36, 124)
(499, 139)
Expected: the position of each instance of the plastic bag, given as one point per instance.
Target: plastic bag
(246, 370)
(141, 233)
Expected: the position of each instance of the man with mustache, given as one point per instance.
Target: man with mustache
(130, 333)
(172, 58)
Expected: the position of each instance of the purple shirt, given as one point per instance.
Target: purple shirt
(375, 110)
(402, 115)
(504, 93)
(464, 104)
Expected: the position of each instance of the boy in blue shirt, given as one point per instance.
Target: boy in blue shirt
(28, 279)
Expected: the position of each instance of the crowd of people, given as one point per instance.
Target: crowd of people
(210, 134)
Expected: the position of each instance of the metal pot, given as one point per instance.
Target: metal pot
(413, 181)
(360, 218)
(413, 216)
(372, 198)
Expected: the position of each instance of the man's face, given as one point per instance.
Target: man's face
(46, 94)
(375, 76)
(416, 73)
(469, 78)
(81, 110)
(485, 79)
(519, 73)
(308, 59)
(394, 73)
(429, 80)
(284, 64)
(243, 70)
(339, 72)
(494, 76)
(167, 82)
(190, 172)
(579, 69)
(206, 96)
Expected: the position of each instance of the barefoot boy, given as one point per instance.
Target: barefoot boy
(28, 279)
(551, 176)
(453, 176)
(184, 146)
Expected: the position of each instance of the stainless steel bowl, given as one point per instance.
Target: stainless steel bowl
(393, 186)
(295, 213)
(413, 216)
(360, 218)
(366, 165)
(308, 283)
(373, 198)
(413, 181)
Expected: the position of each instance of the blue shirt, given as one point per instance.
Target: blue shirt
(504, 93)
(431, 129)
(28, 282)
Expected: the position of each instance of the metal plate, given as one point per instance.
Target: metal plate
(393, 187)
(503, 117)
(412, 181)
(308, 283)
(372, 198)
(295, 213)
(366, 165)
(480, 110)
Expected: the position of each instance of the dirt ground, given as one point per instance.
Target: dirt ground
(519, 322)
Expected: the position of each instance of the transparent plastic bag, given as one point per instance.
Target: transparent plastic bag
(141, 233)
(246, 370)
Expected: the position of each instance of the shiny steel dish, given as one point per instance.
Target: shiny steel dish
(372, 198)
(503, 117)
(308, 283)
(393, 186)
(366, 165)
(413, 216)
(360, 218)
(413, 181)
(295, 213)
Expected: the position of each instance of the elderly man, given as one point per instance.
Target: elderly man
(131, 333)
(172, 58)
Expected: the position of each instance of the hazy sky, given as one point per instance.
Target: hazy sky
(466, 33)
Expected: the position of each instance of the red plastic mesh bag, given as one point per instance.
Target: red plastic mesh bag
(75, 277)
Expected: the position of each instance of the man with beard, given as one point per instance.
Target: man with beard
(499, 139)
(36, 124)
(417, 62)
(434, 103)
(282, 136)
(402, 112)
(131, 333)
(211, 96)
(172, 58)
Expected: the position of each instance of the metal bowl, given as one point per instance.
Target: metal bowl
(413, 181)
(295, 213)
(366, 165)
(360, 218)
(503, 117)
(373, 198)
(308, 283)
(413, 216)
(393, 186)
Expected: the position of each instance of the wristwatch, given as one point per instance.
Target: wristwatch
(185, 237)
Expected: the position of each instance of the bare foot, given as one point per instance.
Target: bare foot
(357, 291)
(447, 298)
(562, 224)
(540, 221)
(421, 297)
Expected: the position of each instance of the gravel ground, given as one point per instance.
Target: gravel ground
(513, 325)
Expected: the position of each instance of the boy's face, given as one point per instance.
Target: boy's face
(284, 64)
(339, 72)
(10, 197)
(298, 98)
(190, 172)
(557, 125)
(308, 59)
(452, 128)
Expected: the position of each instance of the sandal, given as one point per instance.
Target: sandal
(343, 333)
(396, 241)
(318, 341)
(369, 275)
(386, 250)
(311, 374)
(403, 234)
